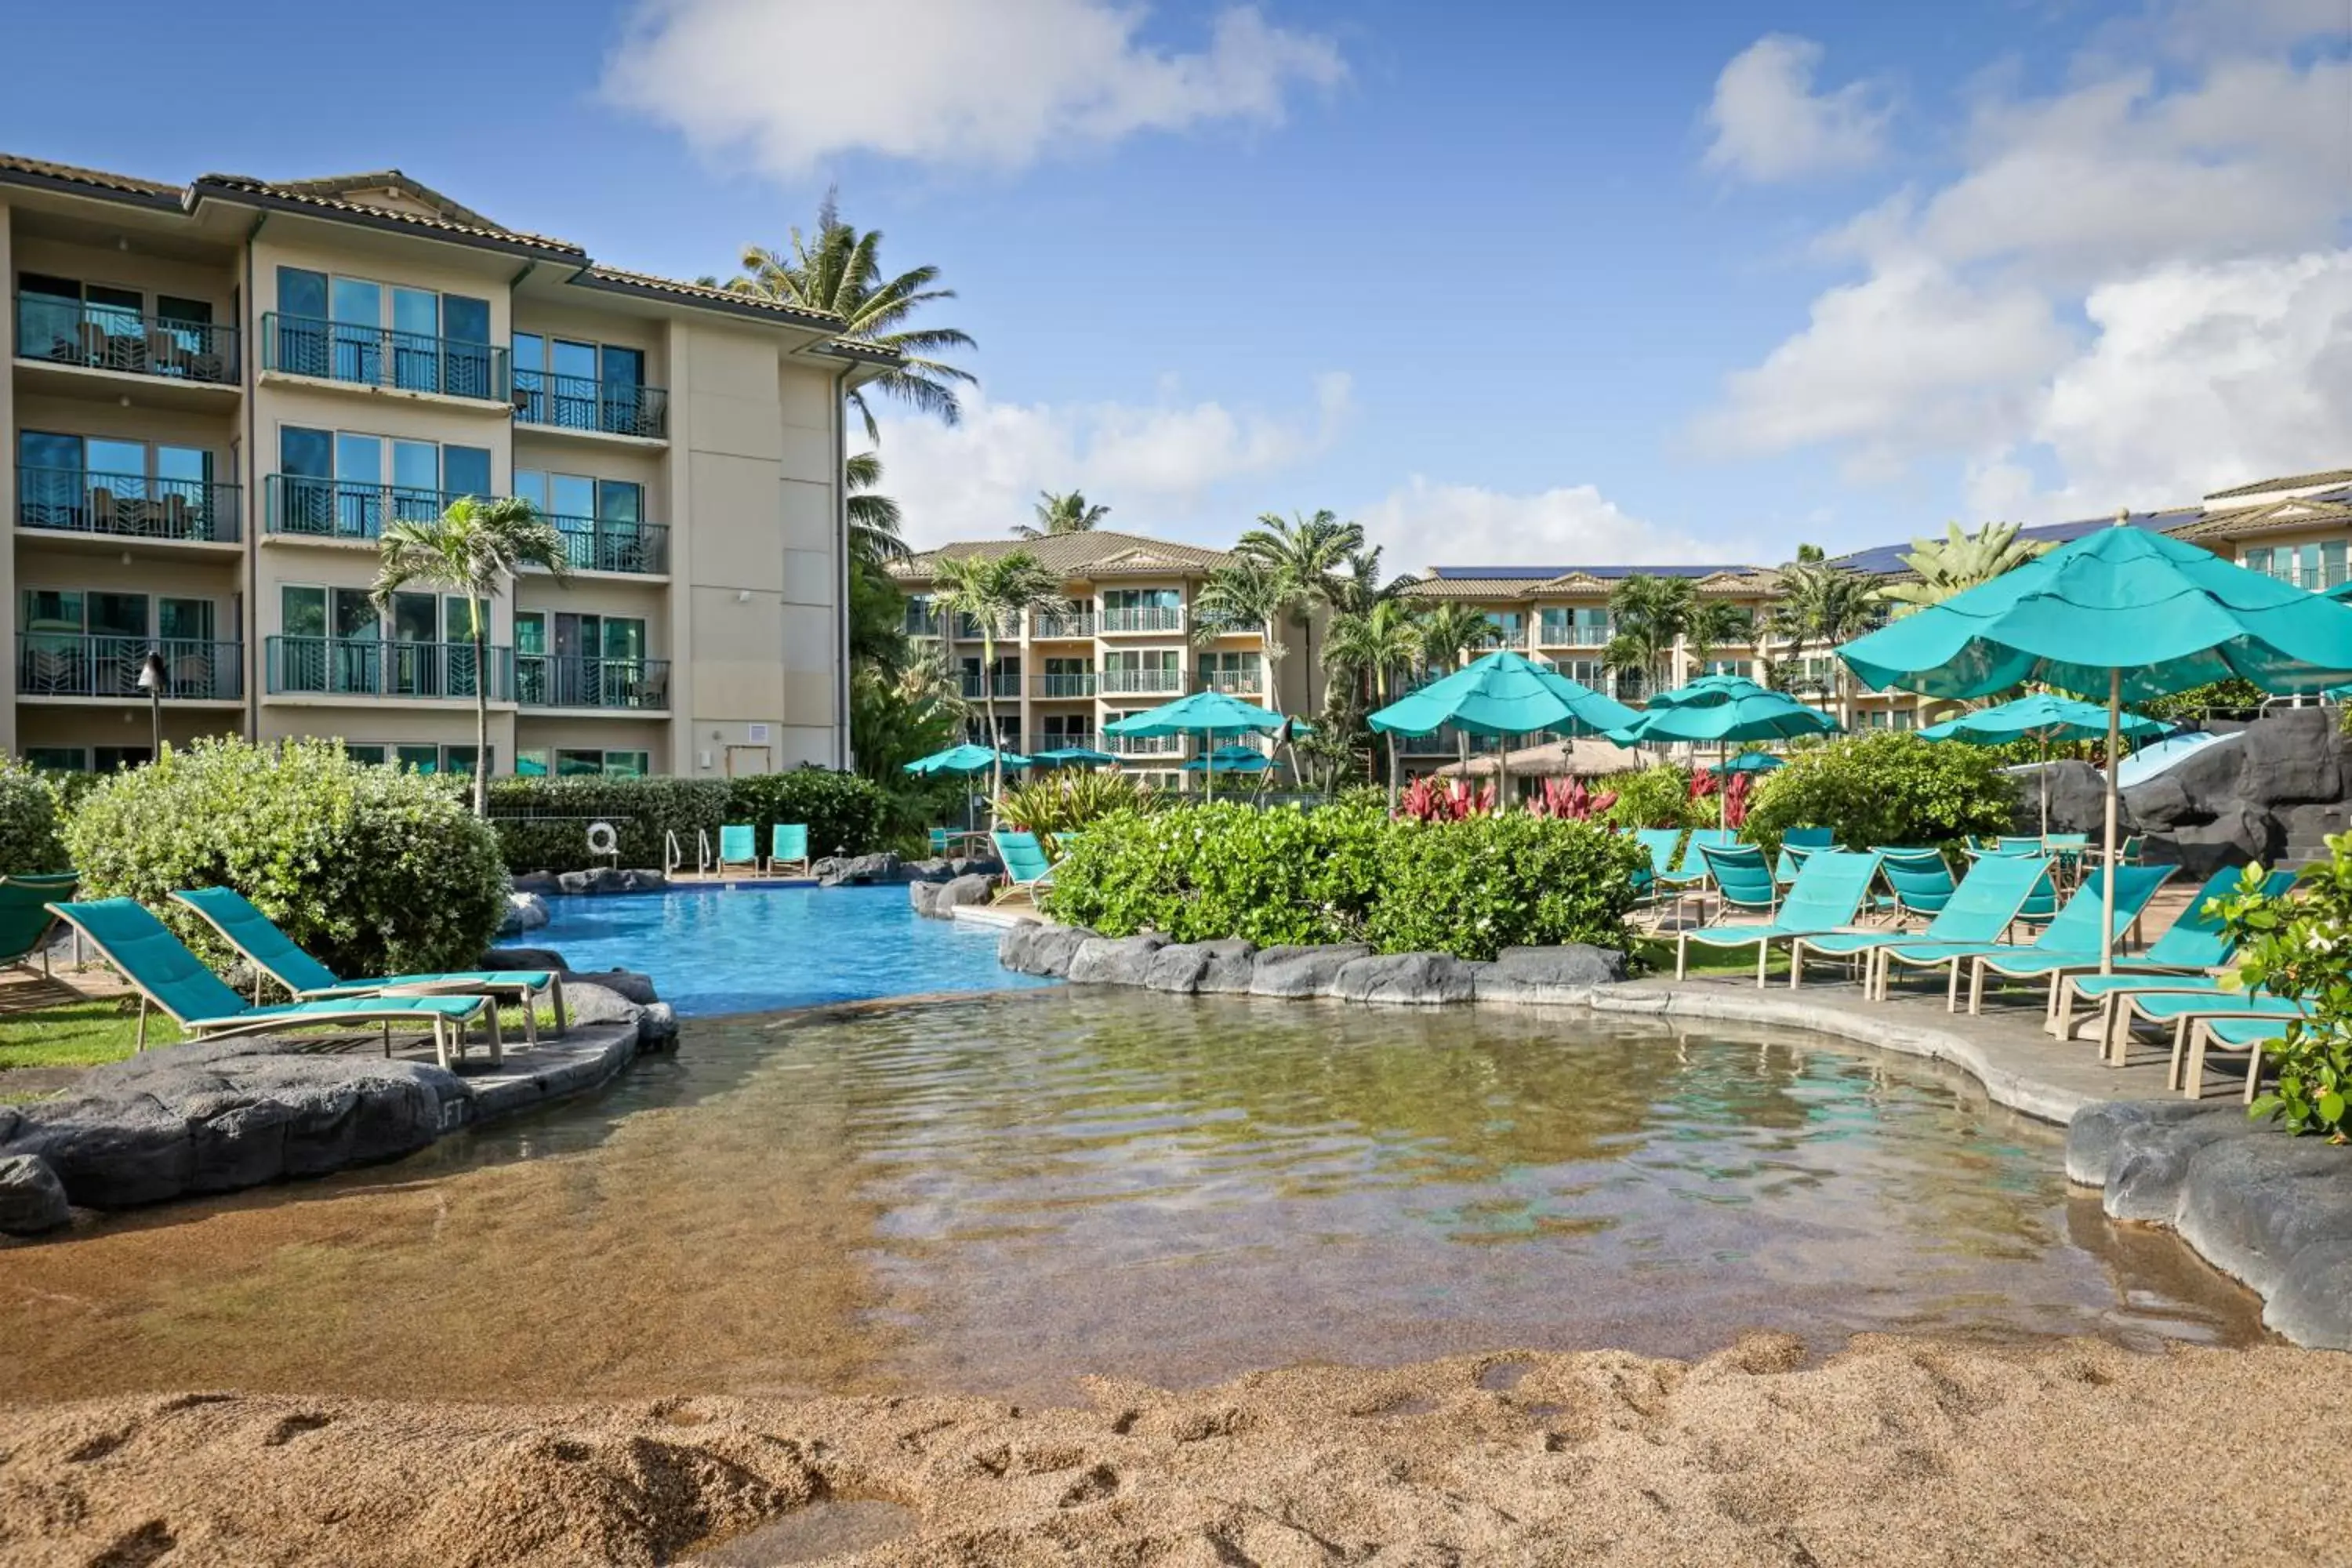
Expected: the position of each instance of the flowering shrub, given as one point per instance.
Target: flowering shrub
(29, 839)
(1885, 787)
(2300, 945)
(1570, 801)
(1658, 797)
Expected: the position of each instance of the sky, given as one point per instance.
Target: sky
(1694, 281)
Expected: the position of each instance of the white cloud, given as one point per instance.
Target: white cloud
(1769, 123)
(1155, 466)
(792, 83)
(1423, 524)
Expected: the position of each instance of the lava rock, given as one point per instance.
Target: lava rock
(541, 882)
(1115, 961)
(1222, 966)
(523, 958)
(637, 988)
(839, 871)
(32, 1199)
(931, 871)
(656, 1027)
(2238, 836)
(588, 999)
(2149, 1165)
(525, 911)
(1413, 979)
(2091, 1135)
(573, 883)
(1035, 949)
(1306, 971)
(2293, 756)
(644, 882)
(2312, 1303)
(10, 1120)
(2254, 1202)
(940, 901)
(111, 1152)
(977, 866)
(1562, 973)
(2078, 797)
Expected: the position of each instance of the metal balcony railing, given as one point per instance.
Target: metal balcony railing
(921, 623)
(562, 680)
(379, 356)
(1233, 682)
(1143, 745)
(1115, 681)
(128, 506)
(1566, 634)
(1443, 742)
(1068, 740)
(1062, 626)
(108, 337)
(967, 628)
(586, 403)
(71, 663)
(1080, 684)
(1004, 685)
(1150, 618)
(374, 667)
(343, 509)
(595, 544)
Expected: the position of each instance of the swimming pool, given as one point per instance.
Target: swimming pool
(764, 950)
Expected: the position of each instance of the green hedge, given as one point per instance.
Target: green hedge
(1884, 788)
(1345, 873)
(542, 823)
(30, 822)
(375, 870)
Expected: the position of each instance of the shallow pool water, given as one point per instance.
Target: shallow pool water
(1001, 1194)
(756, 949)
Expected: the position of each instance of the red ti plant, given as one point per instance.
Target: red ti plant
(1569, 800)
(1735, 800)
(1702, 784)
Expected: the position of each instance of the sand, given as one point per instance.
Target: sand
(1893, 1452)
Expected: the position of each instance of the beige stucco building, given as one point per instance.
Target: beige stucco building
(218, 394)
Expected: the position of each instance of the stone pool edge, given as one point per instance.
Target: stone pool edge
(2271, 1212)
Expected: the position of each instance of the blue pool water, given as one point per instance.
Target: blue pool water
(761, 949)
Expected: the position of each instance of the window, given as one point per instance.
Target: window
(1509, 628)
(601, 519)
(380, 335)
(336, 639)
(582, 386)
(97, 484)
(581, 763)
(347, 484)
(531, 764)
(1235, 672)
(57, 759)
(568, 660)
(372, 755)
(111, 759)
(627, 764)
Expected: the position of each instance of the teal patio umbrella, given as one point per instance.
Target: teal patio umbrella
(1231, 758)
(1502, 693)
(1075, 757)
(1707, 691)
(2044, 717)
(2128, 610)
(2341, 591)
(1747, 762)
(1205, 713)
(1753, 715)
(963, 761)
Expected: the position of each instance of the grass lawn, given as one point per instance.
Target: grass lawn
(1704, 960)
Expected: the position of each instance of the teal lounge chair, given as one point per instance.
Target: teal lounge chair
(788, 841)
(167, 975)
(2179, 1010)
(25, 917)
(1795, 844)
(2189, 956)
(2204, 1034)
(1691, 876)
(1662, 843)
(1026, 869)
(1823, 900)
(1919, 883)
(2071, 934)
(1979, 910)
(272, 952)
(739, 844)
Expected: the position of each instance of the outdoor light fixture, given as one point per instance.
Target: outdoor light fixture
(153, 678)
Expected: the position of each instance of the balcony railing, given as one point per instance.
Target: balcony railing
(921, 623)
(373, 666)
(1069, 739)
(70, 664)
(1233, 682)
(343, 509)
(967, 628)
(1150, 618)
(379, 356)
(562, 680)
(586, 403)
(1117, 682)
(1442, 743)
(1564, 634)
(1060, 626)
(108, 337)
(1144, 745)
(594, 544)
(1081, 684)
(127, 506)
(1004, 685)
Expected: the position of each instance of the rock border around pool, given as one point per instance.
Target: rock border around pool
(2272, 1212)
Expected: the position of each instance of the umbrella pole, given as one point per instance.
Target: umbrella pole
(2114, 793)
(2043, 773)
(1502, 780)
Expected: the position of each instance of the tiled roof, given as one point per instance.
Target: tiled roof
(345, 187)
(1544, 574)
(1497, 587)
(2289, 482)
(1093, 553)
(704, 293)
(2294, 512)
(316, 193)
(1886, 559)
(97, 179)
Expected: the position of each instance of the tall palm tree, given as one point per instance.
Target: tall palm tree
(1446, 633)
(874, 518)
(1825, 604)
(1714, 624)
(1378, 642)
(1306, 552)
(1059, 514)
(1246, 593)
(1651, 614)
(1958, 563)
(471, 550)
(838, 269)
(993, 590)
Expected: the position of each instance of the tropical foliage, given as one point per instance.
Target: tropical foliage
(1657, 796)
(873, 517)
(1305, 555)
(1648, 615)
(1061, 802)
(838, 269)
(2300, 945)
(471, 550)
(1958, 562)
(30, 821)
(1059, 514)
(1884, 788)
(1821, 605)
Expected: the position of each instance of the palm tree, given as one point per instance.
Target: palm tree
(1823, 604)
(1446, 633)
(1306, 554)
(874, 518)
(470, 550)
(1959, 561)
(1377, 643)
(1059, 514)
(1718, 623)
(1246, 594)
(1651, 614)
(838, 270)
(993, 590)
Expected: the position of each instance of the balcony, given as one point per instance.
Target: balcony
(623, 684)
(1443, 742)
(107, 337)
(303, 508)
(1233, 682)
(594, 544)
(1081, 684)
(966, 628)
(1068, 740)
(1144, 745)
(1058, 626)
(128, 506)
(1140, 682)
(371, 667)
(589, 405)
(922, 622)
(1152, 618)
(1002, 685)
(380, 357)
(70, 664)
(1561, 633)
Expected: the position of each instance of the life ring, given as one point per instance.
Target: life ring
(602, 839)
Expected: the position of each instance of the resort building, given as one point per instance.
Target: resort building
(218, 394)
(1122, 639)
